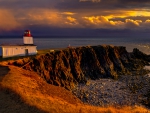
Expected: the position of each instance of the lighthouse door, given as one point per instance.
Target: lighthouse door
(26, 52)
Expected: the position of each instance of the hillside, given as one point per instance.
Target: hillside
(26, 92)
(28, 87)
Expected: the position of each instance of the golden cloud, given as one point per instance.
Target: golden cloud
(144, 12)
(48, 17)
(132, 23)
(68, 13)
(147, 21)
(51, 17)
(41, 17)
(7, 20)
(124, 13)
(146, 24)
(102, 22)
(71, 20)
(57, 18)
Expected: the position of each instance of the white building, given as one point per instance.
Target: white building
(27, 48)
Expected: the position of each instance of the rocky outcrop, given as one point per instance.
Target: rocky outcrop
(75, 65)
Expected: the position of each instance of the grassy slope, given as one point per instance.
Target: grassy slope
(24, 91)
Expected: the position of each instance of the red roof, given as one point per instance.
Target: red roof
(27, 33)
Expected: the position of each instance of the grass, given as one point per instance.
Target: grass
(25, 91)
(15, 58)
(48, 50)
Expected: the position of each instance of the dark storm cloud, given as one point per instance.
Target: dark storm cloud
(76, 5)
(27, 4)
(135, 1)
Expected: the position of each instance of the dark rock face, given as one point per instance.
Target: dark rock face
(75, 65)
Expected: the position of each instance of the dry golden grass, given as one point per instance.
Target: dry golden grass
(24, 91)
(48, 50)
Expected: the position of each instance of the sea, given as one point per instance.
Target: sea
(45, 42)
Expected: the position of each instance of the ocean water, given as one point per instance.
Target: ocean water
(142, 43)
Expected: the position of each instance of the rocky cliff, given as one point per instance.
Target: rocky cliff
(76, 65)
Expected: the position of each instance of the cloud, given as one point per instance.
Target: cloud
(7, 20)
(146, 24)
(27, 4)
(117, 18)
(132, 23)
(47, 17)
(43, 17)
(90, 1)
(56, 18)
(147, 21)
(102, 22)
(135, 1)
(101, 5)
(68, 13)
(105, 23)
(105, 14)
(71, 21)
(134, 4)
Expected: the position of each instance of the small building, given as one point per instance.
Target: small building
(25, 49)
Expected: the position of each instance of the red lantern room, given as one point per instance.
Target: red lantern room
(27, 33)
(27, 38)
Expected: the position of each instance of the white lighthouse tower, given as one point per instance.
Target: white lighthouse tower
(27, 38)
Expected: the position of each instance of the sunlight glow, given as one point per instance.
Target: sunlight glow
(68, 13)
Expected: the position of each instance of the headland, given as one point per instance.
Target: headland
(90, 73)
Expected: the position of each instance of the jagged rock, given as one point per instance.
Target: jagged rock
(75, 65)
(138, 54)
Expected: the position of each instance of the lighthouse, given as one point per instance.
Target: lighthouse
(25, 49)
(27, 38)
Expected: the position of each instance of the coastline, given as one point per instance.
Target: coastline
(126, 90)
(27, 92)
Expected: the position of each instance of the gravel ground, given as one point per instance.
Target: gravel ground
(127, 90)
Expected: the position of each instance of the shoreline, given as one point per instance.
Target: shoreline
(111, 75)
(109, 92)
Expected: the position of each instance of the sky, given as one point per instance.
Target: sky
(74, 17)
